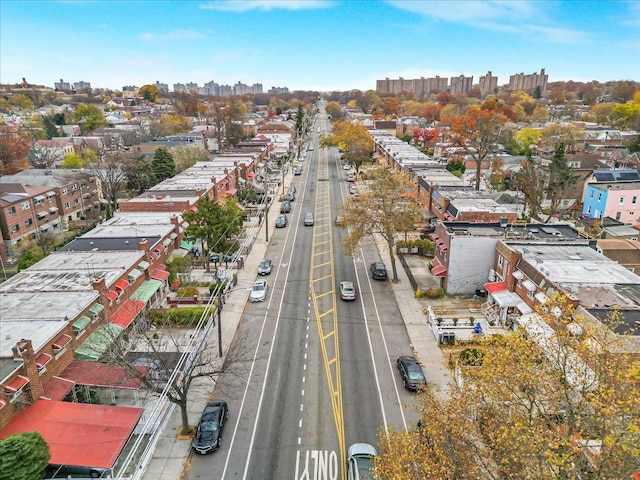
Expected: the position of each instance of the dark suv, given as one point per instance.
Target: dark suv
(378, 271)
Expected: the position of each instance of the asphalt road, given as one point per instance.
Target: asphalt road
(322, 372)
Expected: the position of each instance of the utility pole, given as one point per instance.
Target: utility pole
(220, 320)
(266, 207)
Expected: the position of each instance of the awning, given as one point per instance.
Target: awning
(506, 298)
(53, 209)
(112, 295)
(86, 195)
(41, 215)
(166, 243)
(98, 342)
(224, 182)
(523, 308)
(494, 287)
(251, 174)
(16, 384)
(435, 237)
(194, 209)
(51, 194)
(126, 313)
(2, 403)
(518, 274)
(39, 198)
(161, 275)
(60, 342)
(79, 324)
(96, 309)
(56, 388)
(142, 266)
(134, 274)
(529, 285)
(541, 297)
(439, 271)
(230, 193)
(43, 359)
(158, 248)
(146, 291)
(121, 285)
(241, 180)
(187, 245)
(173, 236)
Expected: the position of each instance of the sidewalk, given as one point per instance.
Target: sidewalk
(171, 455)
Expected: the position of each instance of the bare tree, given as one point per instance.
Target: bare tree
(112, 178)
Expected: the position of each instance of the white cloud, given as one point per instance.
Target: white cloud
(265, 5)
(172, 35)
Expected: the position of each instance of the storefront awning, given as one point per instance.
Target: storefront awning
(494, 287)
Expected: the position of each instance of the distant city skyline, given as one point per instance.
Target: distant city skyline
(317, 45)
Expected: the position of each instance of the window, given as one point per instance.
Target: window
(12, 210)
(621, 201)
(15, 228)
(64, 191)
(618, 215)
(634, 200)
(500, 261)
(530, 295)
(74, 187)
(25, 205)
(76, 201)
(591, 194)
(599, 197)
(28, 222)
(589, 210)
(67, 205)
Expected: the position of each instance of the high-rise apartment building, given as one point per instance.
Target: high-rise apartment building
(488, 84)
(461, 85)
(520, 81)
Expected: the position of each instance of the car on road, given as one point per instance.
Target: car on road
(308, 219)
(339, 221)
(411, 372)
(351, 178)
(298, 170)
(209, 432)
(258, 291)
(360, 457)
(281, 221)
(285, 207)
(265, 267)
(346, 166)
(353, 189)
(378, 271)
(290, 197)
(347, 291)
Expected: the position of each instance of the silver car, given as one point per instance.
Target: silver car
(360, 458)
(265, 267)
(259, 291)
(347, 291)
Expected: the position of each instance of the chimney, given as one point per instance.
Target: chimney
(22, 350)
(143, 245)
(100, 284)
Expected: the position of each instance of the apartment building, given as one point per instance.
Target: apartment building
(530, 82)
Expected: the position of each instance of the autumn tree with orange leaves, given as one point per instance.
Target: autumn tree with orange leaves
(477, 132)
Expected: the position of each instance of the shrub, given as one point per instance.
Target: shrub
(187, 292)
(471, 356)
(433, 293)
(439, 321)
(176, 317)
(418, 293)
(455, 321)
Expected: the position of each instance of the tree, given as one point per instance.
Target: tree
(43, 156)
(112, 178)
(214, 224)
(14, 147)
(23, 456)
(169, 124)
(186, 156)
(565, 133)
(561, 179)
(51, 127)
(477, 132)
(73, 161)
(529, 408)
(388, 207)
(353, 139)
(334, 109)
(149, 93)
(456, 167)
(139, 174)
(530, 181)
(527, 140)
(162, 165)
(90, 117)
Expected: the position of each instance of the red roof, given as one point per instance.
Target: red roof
(495, 287)
(97, 374)
(78, 433)
(121, 284)
(61, 341)
(161, 275)
(57, 388)
(126, 313)
(16, 384)
(112, 295)
(43, 359)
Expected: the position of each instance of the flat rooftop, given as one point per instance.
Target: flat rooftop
(513, 231)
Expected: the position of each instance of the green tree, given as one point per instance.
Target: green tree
(73, 161)
(23, 456)
(51, 128)
(90, 117)
(527, 140)
(214, 224)
(149, 92)
(561, 180)
(387, 207)
(139, 174)
(456, 167)
(29, 257)
(162, 165)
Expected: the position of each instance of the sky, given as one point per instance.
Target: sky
(321, 45)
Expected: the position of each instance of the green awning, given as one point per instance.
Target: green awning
(146, 290)
(241, 180)
(133, 275)
(96, 309)
(98, 342)
(187, 245)
(79, 324)
(143, 265)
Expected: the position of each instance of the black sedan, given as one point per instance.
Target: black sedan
(281, 221)
(411, 372)
(209, 432)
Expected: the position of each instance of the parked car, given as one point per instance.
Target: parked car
(259, 291)
(360, 458)
(285, 207)
(298, 170)
(351, 178)
(281, 221)
(308, 219)
(411, 373)
(353, 189)
(339, 221)
(292, 188)
(378, 271)
(347, 291)
(72, 471)
(290, 197)
(346, 166)
(265, 267)
(209, 431)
